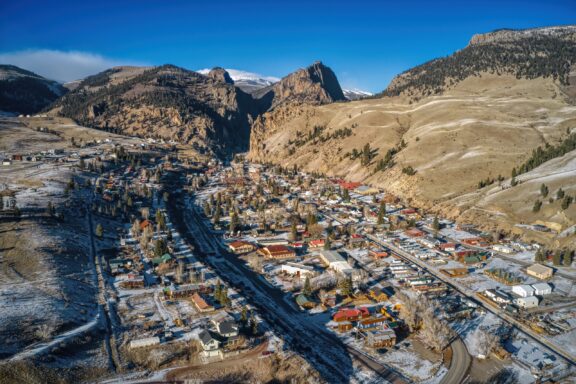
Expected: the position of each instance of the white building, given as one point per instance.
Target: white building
(335, 261)
(146, 342)
(527, 302)
(523, 290)
(298, 269)
(210, 345)
(542, 289)
(503, 248)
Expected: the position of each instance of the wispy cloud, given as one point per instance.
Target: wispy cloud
(61, 65)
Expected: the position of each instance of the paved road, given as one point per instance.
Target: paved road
(459, 365)
(500, 255)
(472, 296)
(321, 348)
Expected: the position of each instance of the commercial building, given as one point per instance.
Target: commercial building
(523, 290)
(527, 302)
(542, 289)
(540, 271)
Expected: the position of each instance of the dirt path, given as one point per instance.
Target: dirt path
(180, 373)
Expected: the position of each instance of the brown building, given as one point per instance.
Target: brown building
(277, 252)
(540, 271)
(239, 247)
(380, 338)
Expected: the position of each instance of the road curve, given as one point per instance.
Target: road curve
(459, 365)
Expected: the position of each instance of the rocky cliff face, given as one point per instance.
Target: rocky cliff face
(510, 35)
(220, 75)
(314, 85)
(206, 111)
(165, 102)
(26, 92)
(289, 98)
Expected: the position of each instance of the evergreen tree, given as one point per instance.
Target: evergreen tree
(566, 202)
(294, 231)
(560, 194)
(99, 231)
(253, 325)
(540, 256)
(381, 213)
(568, 258)
(218, 291)
(346, 195)
(160, 247)
(307, 290)
(544, 190)
(244, 316)
(537, 205)
(436, 224)
(327, 243)
(345, 286)
(217, 216)
(557, 257)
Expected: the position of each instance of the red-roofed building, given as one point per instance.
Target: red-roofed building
(414, 232)
(377, 254)
(277, 252)
(447, 247)
(144, 224)
(350, 185)
(318, 243)
(239, 247)
(351, 314)
(475, 241)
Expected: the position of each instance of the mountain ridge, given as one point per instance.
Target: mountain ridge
(208, 111)
(26, 92)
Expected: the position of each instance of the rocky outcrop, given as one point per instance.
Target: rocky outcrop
(220, 75)
(206, 111)
(165, 102)
(290, 98)
(510, 35)
(314, 85)
(23, 91)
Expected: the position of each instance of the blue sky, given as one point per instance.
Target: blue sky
(365, 42)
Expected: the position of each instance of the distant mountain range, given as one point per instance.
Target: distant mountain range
(251, 82)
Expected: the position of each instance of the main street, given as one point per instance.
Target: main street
(472, 295)
(323, 349)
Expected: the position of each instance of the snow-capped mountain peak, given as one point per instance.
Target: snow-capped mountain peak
(355, 94)
(247, 81)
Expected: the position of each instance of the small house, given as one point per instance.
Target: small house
(210, 345)
(201, 303)
(317, 243)
(380, 338)
(240, 247)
